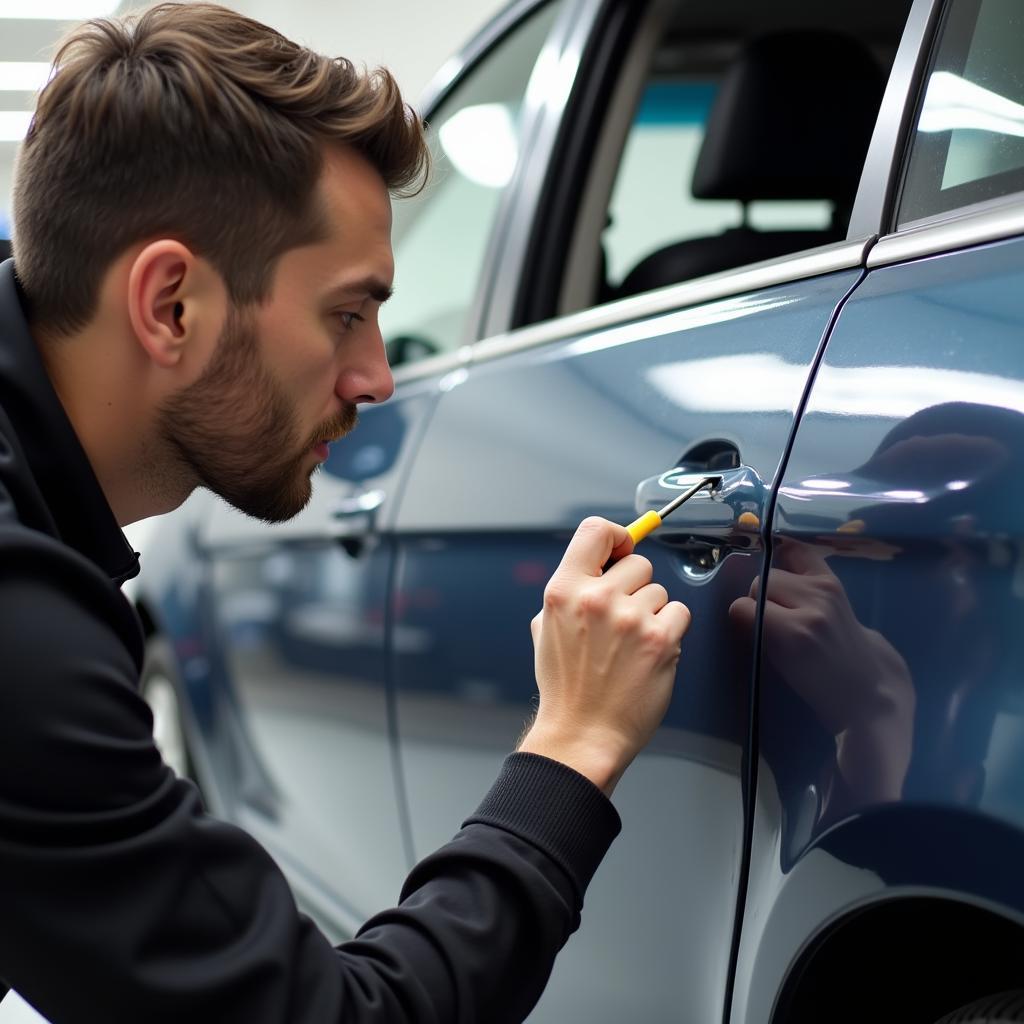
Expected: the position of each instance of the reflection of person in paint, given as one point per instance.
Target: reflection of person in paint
(853, 679)
(909, 712)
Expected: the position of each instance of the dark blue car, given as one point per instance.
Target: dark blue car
(782, 243)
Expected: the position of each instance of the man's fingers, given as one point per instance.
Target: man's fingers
(535, 626)
(789, 589)
(743, 611)
(623, 548)
(630, 574)
(592, 545)
(676, 616)
(651, 598)
(801, 558)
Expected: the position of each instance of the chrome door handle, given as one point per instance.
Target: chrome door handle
(358, 504)
(730, 512)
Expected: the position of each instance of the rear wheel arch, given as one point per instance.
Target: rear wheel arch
(911, 958)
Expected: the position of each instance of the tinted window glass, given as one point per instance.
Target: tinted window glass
(440, 237)
(969, 145)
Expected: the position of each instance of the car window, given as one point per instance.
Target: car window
(440, 236)
(969, 143)
(725, 135)
(651, 209)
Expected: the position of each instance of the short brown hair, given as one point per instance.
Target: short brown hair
(194, 122)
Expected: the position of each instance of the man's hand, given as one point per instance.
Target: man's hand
(854, 680)
(607, 644)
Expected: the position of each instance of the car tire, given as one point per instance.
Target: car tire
(997, 1009)
(159, 689)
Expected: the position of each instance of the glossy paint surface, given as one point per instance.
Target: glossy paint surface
(302, 617)
(891, 733)
(517, 453)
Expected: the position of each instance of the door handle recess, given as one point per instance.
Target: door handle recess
(727, 514)
(353, 518)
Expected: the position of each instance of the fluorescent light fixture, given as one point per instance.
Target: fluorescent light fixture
(14, 124)
(481, 142)
(954, 103)
(23, 75)
(58, 10)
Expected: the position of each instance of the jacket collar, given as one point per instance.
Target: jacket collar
(57, 462)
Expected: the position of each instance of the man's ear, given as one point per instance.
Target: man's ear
(171, 301)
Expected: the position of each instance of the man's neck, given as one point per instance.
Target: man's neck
(102, 398)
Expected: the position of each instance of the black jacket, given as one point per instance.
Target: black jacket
(121, 900)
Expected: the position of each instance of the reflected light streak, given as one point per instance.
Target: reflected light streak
(481, 142)
(953, 102)
(684, 320)
(552, 77)
(762, 382)
(915, 496)
(825, 485)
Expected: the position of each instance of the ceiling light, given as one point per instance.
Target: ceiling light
(58, 10)
(23, 75)
(14, 124)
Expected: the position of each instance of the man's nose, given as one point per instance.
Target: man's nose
(367, 376)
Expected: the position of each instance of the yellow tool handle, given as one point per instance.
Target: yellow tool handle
(639, 528)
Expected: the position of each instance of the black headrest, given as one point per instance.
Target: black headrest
(792, 120)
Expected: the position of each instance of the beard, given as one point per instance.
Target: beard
(234, 431)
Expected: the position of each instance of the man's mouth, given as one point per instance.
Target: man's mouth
(341, 427)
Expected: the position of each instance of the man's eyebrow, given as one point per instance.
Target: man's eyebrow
(372, 286)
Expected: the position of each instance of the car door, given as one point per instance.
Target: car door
(890, 808)
(300, 614)
(610, 412)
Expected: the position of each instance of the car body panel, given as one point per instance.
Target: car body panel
(301, 616)
(579, 424)
(904, 488)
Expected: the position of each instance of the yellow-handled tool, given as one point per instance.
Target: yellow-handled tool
(650, 521)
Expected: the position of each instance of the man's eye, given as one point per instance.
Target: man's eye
(348, 320)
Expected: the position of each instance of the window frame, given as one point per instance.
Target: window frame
(969, 194)
(868, 220)
(974, 223)
(447, 80)
(874, 208)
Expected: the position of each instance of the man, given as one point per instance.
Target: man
(201, 248)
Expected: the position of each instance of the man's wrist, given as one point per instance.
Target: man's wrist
(592, 758)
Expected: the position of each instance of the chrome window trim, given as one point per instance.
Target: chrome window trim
(985, 222)
(883, 165)
(578, 289)
(447, 76)
(535, 112)
(432, 366)
(535, 115)
(504, 263)
(799, 266)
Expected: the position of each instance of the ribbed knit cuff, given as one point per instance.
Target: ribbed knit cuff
(558, 810)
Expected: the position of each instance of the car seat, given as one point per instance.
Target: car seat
(792, 120)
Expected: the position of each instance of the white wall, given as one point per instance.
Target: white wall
(411, 38)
